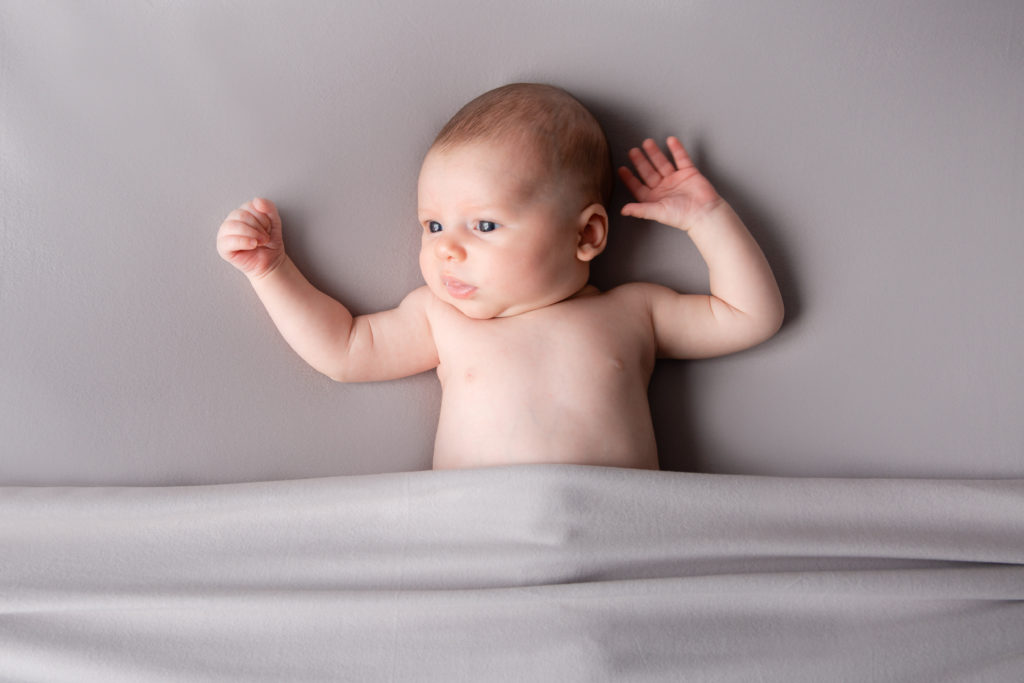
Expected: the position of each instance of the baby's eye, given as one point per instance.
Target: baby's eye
(486, 226)
(434, 226)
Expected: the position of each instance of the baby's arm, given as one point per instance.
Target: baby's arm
(380, 346)
(745, 306)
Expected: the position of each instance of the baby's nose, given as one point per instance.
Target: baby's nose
(449, 249)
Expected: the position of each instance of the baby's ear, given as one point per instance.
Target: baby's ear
(593, 232)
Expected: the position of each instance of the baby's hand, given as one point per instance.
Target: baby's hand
(250, 238)
(672, 194)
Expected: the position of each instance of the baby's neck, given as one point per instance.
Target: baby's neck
(586, 290)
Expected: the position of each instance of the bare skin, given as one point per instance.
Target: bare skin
(564, 383)
(535, 364)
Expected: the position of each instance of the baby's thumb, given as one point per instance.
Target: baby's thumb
(635, 210)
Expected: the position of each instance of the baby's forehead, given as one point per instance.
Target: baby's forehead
(514, 163)
(519, 148)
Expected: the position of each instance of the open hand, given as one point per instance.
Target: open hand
(674, 194)
(250, 238)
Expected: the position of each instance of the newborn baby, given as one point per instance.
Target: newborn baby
(536, 364)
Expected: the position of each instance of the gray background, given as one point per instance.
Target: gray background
(874, 149)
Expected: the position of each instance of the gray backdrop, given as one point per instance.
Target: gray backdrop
(874, 149)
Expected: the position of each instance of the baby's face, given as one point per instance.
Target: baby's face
(496, 242)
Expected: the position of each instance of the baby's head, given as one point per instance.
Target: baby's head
(547, 126)
(511, 199)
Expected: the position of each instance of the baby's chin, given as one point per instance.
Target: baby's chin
(478, 308)
(482, 311)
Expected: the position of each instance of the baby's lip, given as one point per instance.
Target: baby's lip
(457, 288)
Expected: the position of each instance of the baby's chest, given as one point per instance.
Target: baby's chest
(576, 344)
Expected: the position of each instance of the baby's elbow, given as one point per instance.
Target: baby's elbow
(333, 367)
(345, 362)
(344, 374)
(769, 323)
(358, 370)
(755, 326)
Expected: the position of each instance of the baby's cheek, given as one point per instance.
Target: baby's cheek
(425, 268)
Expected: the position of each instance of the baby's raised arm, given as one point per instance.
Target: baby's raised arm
(380, 346)
(745, 306)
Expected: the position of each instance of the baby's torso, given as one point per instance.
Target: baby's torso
(563, 384)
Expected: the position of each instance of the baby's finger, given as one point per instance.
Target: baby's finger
(679, 153)
(658, 158)
(263, 218)
(644, 169)
(635, 187)
(229, 245)
(639, 210)
(238, 228)
(651, 211)
(270, 210)
(251, 218)
(630, 209)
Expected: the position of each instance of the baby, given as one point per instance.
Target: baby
(536, 365)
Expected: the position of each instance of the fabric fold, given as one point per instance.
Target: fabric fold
(533, 572)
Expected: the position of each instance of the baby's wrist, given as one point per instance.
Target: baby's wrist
(712, 213)
(257, 277)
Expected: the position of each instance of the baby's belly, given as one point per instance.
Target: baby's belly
(608, 426)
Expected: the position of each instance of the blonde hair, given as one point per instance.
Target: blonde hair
(550, 122)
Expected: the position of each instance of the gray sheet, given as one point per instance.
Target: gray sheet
(524, 573)
(874, 149)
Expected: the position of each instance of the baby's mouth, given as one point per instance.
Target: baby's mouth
(457, 288)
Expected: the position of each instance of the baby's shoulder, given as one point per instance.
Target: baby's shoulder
(440, 314)
(635, 294)
(420, 300)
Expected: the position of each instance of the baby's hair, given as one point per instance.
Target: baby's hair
(547, 119)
